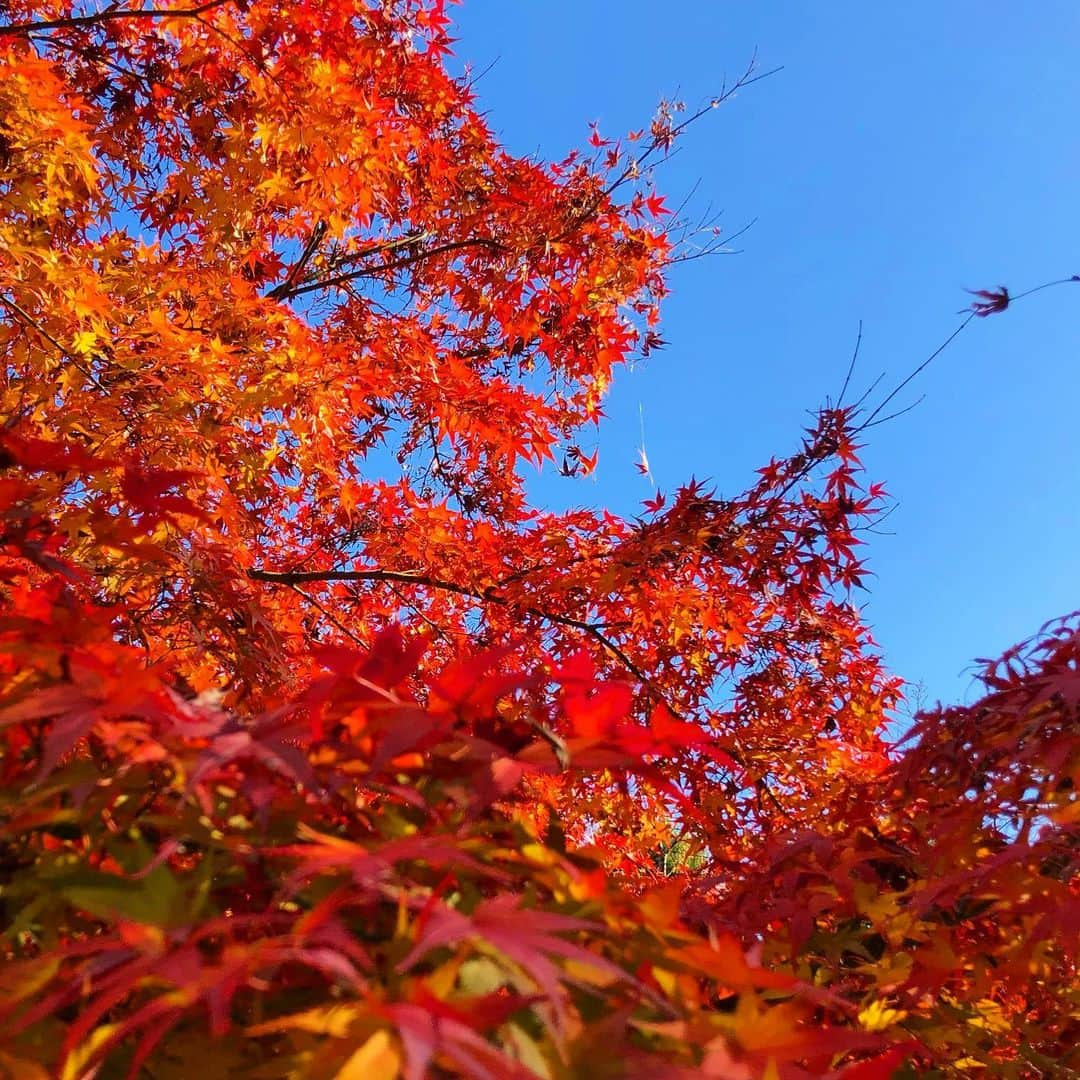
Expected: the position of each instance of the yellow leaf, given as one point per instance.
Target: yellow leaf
(586, 973)
(878, 1016)
(528, 1051)
(482, 976)
(895, 971)
(991, 1017)
(83, 1054)
(874, 904)
(334, 1020)
(84, 342)
(443, 979)
(377, 1059)
(539, 854)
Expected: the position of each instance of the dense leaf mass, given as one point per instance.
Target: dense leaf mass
(324, 752)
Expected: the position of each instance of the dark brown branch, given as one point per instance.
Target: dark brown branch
(394, 264)
(377, 249)
(489, 596)
(292, 579)
(298, 267)
(409, 577)
(28, 320)
(13, 29)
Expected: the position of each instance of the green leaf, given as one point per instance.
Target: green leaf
(156, 900)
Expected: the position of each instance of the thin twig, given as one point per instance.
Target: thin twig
(435, 627)
(1073, 279)
(870, 420)
(922, 367)
(851, 367)
(330, 615)
(719, 246)
(868, 391)
(893, 415)
(338, 260)
(726, 93)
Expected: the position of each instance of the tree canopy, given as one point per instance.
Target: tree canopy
(326, 753)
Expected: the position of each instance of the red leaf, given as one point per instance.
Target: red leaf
(595, 138)
(990, 302)
(881, 1067)
(147, 490)
(655, 203)
(44, 455)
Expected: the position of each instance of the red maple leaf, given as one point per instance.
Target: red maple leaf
(654, 505)
(596, 139)
(655, 203)
(990, 301)
(47, 455)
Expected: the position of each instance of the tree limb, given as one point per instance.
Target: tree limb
(409, 577)
(489, 596)
(292, 579)
(13, 29)
(298, 267)
(394, 264)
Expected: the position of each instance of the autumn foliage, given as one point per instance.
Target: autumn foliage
(327, 754)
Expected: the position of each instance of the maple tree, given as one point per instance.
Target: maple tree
(324, 752)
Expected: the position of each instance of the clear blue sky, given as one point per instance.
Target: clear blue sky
(906, 151)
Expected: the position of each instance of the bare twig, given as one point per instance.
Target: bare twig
(871, 420)
(328, 614)
(925, 364)
(726, 93)
(851, 367)
(893, 415)
(719, 245)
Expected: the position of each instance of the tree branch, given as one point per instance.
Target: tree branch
(292, 579)
(28, 320)
(394, 264)
(969, 314)
(298, 267)
(410, 577)
(14, 29)
(489, 596)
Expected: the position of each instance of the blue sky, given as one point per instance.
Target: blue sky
(906, 151)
